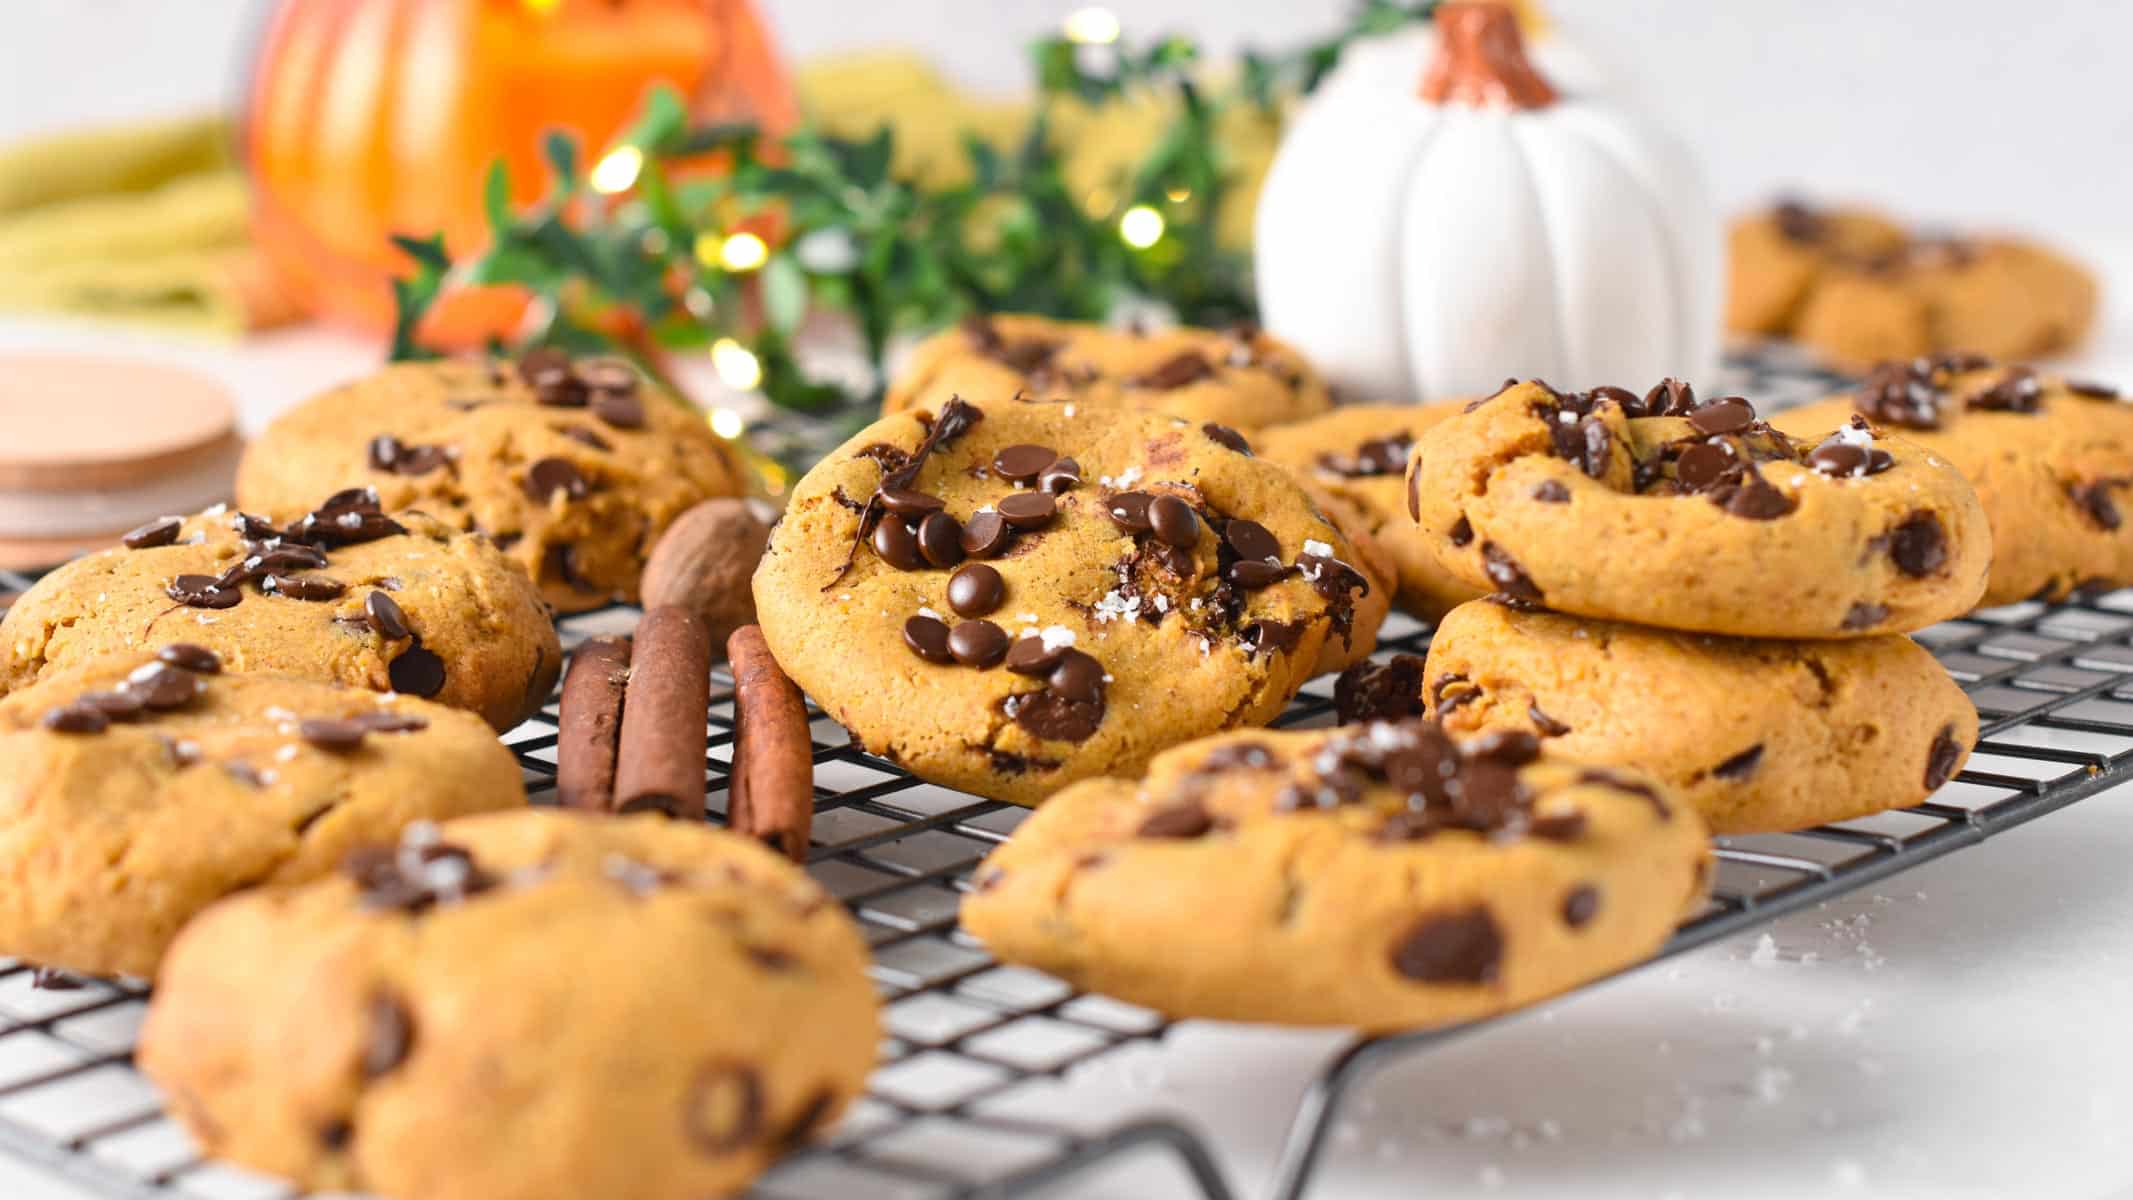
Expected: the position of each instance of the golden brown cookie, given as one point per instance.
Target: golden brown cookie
(1372, 875)
(1244, 378)
(1355, 458)
(1756, 734)
(1008, 597)
(573, 468)
(138, 788)
(1856, 287)
(343, 594)
(519, 1007)
(2051, 459)
(1663, 511)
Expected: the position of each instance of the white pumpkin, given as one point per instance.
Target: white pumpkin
(1421, 244)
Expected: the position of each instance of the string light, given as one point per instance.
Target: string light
(737, 365)
(1092, 26)
(1141, 227)
(726, 422)
(743, 252)
(543, 7)
(1178, 195)
(617, 170)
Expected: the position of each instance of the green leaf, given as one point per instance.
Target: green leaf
(784, 293)
(662, 121)
(496, 196)
(428, 253)
(560, 148)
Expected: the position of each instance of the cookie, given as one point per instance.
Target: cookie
(1757, 734)
(1371, 875)
(138, 788)
(1856, 287)
(1355, 459)
(2051, 459)
(573, 468)
(517, 1007)
(1008, 597)
(1663, 511)
(1244, 378)
(342, 594)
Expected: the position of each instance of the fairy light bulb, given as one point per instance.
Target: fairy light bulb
(617, 171)
(1140, 227)
(737, 366)
(1092, 26)
(743, 252)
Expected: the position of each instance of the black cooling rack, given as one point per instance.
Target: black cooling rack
(969, 1041)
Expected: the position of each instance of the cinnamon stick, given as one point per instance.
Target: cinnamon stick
(771, 796)
(660, 760)
(591, 724)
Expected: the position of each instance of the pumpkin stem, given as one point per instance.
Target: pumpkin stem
(1481, 61)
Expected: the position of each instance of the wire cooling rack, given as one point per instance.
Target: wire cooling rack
(951, 1110)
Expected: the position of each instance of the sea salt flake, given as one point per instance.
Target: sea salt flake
(1057, 637)
(1321, 549)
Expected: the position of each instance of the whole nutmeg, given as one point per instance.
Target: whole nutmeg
(704, 561)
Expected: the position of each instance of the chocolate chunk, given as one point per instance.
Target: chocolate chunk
(1051, 716)
(198, 659)
(156, 533)
(1862, 615)
(1254, 573)
(1251, 540)
(1247, 756)
(386, 617)
(202, 591)
(1901, 394)
(897, 545)
(1174, 522)
(1596, 447)
(986, 535)
(1031, 656)
(313, 588)
(332, 733)
(1842, 460)
(163, 687)
(1580, 905)
(417, 672)
(940, 539)
(1271, 637)
(1189, 819)
(391, 1036)
(119, 705)
(1511, 747)
(2094, 500)
(1668, 398)
(1509, 578)
(1027, 510)
(1703, 465)
(551, 475)
(542, 365)
(1375, 458)
(1453, 690)
(1462, 531)
(76, 718)
(724, 1110)
(586, 437)
(386, 721)
(1225, 436)
(905, 502)
(928, 638)
(1728, 414)
(2017, 391)
(1740, 766)
(2091, 391)
(1919, 545)
(1060, 477)
(1374, 691)
(181, 752)
(1548, 726)
(1549, 491)
(1414, 495)
(1799, 223)
(245, 773)
(979, 644)
(1453, 947)
(975, 590)
(1558, 827)
(1743, 492)
(1941, 758)
(1179, 370)
(1129, 511)
(1077, 677)
(1024, 462)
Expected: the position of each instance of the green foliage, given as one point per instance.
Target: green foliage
(848, 236)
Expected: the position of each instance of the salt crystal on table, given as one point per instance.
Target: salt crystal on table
(1765, 953)
(1770, 1084)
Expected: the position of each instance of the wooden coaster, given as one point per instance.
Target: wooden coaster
(97, 446)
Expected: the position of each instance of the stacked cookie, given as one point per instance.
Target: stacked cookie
(1679, 586)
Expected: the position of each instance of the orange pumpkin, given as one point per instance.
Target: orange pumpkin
(368, 118)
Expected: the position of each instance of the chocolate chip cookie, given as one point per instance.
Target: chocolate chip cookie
(1009, 597)
(1665, 511)
(518, 1007)
(1243, 377)
(572, 467)
(2051, 459)
(1374, 875)
(1857, 287)
(1354, 459)
(140, 787)
(344, 593)
(1758, 735)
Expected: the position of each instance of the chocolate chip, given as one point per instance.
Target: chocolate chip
(119, 706)
(542, 365)
(621, 409)
(1255, 573)
(2017, 391)
(1271, 637)
(1179, 370)
(1454, 947)
(198, 659)
(2094, 500)
(52, 979)
(1901, 394)
(1558, 827)
(1740, 766)
(2091, 391)
(551, 475)
(1027, 510)
(386, 721)
(1414, 495)
(897, 545)
(1129, 511)
(585, 437)
(1668, 398)
(1549, 491)
(1509, 578)
(1941, 758)
(1729, 414)
(1223, 435)
(724, 1109)
(163, 687)
(1023, 462)
(975, 590)
(928, 638)
(1451, 691)
(1077, 677)
(986, 535)
(1053, 717)
(1062, 476)
(1745, 493)
(1580, 905)
(1702, 465)
(182, 752)
(1174, 522)
(1798, 223)
(76, 718)
(1596, 447)
(1251, 540)
(385, 616)
(202, 591)
(313, 588)
(1511, 747)
(417, 672)
(156, 533)
(1031, 656)
(1547, 725)
(979, 644)
(905, 502)
(1374, 691)
(245, 773)
(336, 1134)
(1919, 546)
(1840, 459)
(1862, 615)
(332, 733)
(1462, 531)
(1189, 819)
(940, 539)
(391, 1036)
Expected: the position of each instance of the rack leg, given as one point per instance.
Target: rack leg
(1314, 1114)
(1168, 1135)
